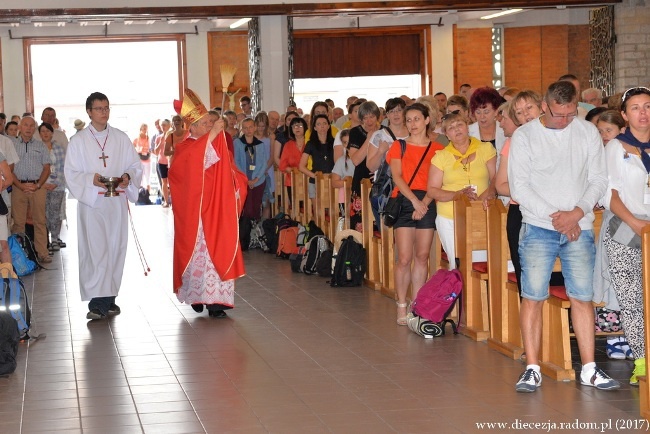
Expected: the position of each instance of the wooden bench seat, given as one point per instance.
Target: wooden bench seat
(504, 301)
(470, 221)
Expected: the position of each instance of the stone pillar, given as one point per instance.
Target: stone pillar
(275, 66)
(442, 55)
(632, 27)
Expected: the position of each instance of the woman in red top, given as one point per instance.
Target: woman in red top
(292, 150)
(416, 221)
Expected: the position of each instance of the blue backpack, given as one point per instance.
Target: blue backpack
(13, 299)
(23, 265)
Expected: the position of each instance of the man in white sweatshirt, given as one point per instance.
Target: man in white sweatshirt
(557, 174)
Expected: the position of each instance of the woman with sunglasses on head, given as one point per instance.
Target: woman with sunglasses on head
(458, 104)
(465, 167)
(416, 221)
(627, 203)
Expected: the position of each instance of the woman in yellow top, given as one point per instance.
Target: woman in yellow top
(466, 166)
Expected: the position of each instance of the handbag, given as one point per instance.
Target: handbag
(392, 210)
(393, 207)
(620, 232)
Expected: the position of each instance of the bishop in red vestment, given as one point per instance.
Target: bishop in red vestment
(208, 192)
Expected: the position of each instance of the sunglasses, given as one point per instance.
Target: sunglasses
(448, 115)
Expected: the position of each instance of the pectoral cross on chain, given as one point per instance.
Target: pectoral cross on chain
(103, 157)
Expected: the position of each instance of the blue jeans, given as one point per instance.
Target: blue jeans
(538, 248)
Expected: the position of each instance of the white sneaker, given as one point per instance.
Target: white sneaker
(599, 379)
(529, 381)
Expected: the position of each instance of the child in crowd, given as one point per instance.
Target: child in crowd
(610, 124)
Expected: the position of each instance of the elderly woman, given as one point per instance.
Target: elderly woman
(416, 221)
(483, 105)
(628, 212)
(465, 167)
(360, 136)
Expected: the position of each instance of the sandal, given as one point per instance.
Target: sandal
(401, 320)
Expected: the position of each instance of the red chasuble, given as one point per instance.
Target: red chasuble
(215, 196)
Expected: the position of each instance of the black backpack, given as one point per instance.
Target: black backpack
(324, 264)
(314, 249)
(9, 338)
(313, 230)
(383, 185)
(350, 264)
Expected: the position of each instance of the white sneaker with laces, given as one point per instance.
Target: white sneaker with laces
(529, 381)
(599, 379)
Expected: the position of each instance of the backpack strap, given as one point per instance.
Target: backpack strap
(389, 131)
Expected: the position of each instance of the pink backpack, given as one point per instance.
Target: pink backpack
(436, 298)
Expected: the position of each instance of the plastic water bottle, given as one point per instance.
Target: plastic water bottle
(348, 271)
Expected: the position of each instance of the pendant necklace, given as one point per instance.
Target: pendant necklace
(103, 157)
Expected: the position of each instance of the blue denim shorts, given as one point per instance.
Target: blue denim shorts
(538, 248)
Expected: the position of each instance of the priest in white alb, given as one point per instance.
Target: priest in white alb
(102, 222)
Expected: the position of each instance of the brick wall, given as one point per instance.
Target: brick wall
(472, 57)
(632, 24)
(579, 54)
(228, 48)
(536, 56)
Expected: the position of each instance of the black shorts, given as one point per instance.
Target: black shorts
(405, 219)
(162, 170)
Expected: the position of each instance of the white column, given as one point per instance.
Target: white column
(442, 55)
(197, 66)
(275, 63)
(13, 76)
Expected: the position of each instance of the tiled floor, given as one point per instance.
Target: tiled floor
(295, 356)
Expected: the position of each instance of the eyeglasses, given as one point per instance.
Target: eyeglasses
(101, 109)
(633, 91)
(297, 126)
(568, 117)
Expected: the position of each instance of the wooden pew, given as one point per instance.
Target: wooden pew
(280, 204)
(333, 205)
(322, 212)
(471, 234)
(644, 389)
(371, 243)
(505, 332)
(301, 208)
